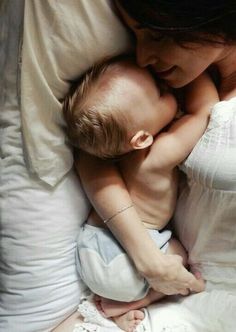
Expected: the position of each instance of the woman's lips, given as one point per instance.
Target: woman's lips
(165, 73)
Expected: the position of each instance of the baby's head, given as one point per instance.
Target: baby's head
(116, 107)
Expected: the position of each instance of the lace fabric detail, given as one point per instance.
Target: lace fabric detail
(86, 327)
(222, 114)
(91, 315)
(95, 322)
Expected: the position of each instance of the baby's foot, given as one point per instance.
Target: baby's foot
(97, 301)
(111, 308)
(129, 321)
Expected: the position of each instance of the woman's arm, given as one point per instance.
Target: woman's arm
(108, 194)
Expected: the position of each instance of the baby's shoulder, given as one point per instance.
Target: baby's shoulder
(159, 153)
(149, 159)
(141, 170)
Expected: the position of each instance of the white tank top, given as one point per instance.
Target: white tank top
(205, 216)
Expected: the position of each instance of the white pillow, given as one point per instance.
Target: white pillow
(39, 286)
(62, 39)
(39, 224)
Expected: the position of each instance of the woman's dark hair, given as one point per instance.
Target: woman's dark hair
(186, 20)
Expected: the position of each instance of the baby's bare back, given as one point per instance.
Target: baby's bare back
(153, 190)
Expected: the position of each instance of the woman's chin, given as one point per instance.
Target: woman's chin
(177, 83)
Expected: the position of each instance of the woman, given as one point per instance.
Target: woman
(179, 43)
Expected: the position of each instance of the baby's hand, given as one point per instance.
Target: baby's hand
(174, 278)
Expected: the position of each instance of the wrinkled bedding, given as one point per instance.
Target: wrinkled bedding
(39, 224)
(42, 204)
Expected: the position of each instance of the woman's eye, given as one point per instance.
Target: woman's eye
(158, 37)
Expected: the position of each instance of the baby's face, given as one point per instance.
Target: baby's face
(144, 106)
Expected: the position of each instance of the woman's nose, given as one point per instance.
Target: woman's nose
(144, 54)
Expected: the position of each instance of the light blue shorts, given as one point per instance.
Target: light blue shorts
(105, 267)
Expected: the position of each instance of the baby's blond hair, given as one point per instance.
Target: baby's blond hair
(95, 125)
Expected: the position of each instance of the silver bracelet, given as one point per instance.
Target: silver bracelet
(118, 212)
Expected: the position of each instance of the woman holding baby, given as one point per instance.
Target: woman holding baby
(179, 41)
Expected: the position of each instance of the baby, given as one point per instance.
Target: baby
(117, 111)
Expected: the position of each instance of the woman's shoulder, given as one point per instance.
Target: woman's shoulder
(213, 159)
(222, 112)
(222, 105)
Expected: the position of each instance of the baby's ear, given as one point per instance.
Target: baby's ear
(141, 140)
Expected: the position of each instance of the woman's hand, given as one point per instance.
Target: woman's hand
(171, 277)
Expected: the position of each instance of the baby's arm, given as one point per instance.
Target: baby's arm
(107, 192)
(173, 146)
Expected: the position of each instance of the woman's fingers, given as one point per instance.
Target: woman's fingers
(197, 285)
(175, 278)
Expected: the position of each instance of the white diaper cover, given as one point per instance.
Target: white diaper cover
(106, 268)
